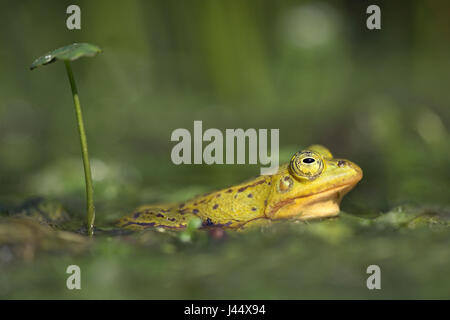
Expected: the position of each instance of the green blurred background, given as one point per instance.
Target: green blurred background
(310, 68)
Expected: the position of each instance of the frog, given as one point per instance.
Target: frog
(310, 186)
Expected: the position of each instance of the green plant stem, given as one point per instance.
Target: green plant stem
(84, 152)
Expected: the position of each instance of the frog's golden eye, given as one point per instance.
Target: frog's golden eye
(306, 164)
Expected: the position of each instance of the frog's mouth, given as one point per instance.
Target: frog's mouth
(311, 206)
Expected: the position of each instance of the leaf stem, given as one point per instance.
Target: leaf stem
(84, 152)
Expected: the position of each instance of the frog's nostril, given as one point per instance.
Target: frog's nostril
(341, 163)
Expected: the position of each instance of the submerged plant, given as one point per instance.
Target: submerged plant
(67, 54)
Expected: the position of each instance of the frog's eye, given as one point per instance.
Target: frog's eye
(306, 164)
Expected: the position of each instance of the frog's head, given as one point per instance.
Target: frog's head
(311, 185)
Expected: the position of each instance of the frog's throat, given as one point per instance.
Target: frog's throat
(309, 206)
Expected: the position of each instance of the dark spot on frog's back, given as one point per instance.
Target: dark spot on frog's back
(160, 215)
(137, 214)
(215, 206)
(208, 223)
(229, 190)
(253, 209)
(195, 211)
(250, 195)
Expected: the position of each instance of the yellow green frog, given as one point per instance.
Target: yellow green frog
(310, 186)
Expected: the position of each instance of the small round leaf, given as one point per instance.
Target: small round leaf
(68, 53)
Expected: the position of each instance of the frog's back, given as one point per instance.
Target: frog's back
(230, 208)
